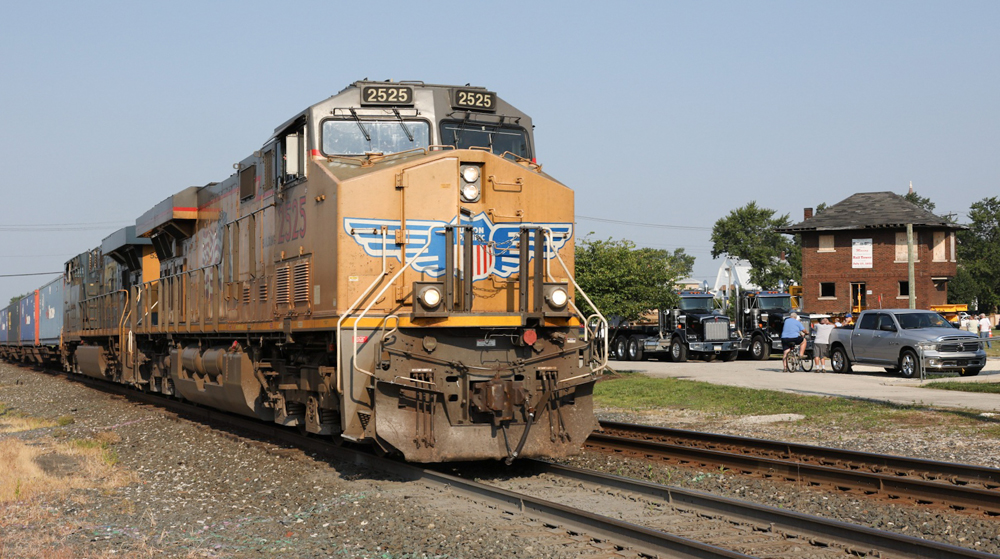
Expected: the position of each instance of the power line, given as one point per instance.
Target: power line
(37, 227)
(32, 274)
(638, 224)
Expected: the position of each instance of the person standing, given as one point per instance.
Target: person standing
(973, 325)
(821, 343)
(985, 329)
(791, 336)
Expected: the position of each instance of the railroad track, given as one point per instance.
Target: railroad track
(957, 487)
(715, 527)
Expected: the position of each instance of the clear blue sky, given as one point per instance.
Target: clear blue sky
(670, 113)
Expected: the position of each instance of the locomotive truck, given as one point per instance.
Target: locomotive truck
(693, 328)
(391, 267)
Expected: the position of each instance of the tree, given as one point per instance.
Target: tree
(978, 278)
(821, 208)
(919, 200)
(626, 281)
(748, 233)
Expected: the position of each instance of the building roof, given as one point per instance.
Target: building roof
(734, 272)
(867, 210)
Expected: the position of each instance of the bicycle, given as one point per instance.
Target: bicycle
(794, 361)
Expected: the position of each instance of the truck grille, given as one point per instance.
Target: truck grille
(954, 346)
(716, 330)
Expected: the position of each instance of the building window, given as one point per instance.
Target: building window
(904, 289)
(828, 290)
(901, 247)
(826, 243)
(939, 247)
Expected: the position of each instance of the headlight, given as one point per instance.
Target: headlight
(430, 297)
(470, 192)
(927, 346)
(470, 173)
(558, 297)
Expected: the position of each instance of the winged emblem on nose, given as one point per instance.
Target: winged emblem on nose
(495, 246)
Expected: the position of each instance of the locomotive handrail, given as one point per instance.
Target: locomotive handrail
(597, 312)
(409, 263)
(354, 306)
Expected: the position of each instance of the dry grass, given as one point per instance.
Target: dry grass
(10, 423)
(45, 470)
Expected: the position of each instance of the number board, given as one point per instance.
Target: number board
(386, 95)
(475, 99)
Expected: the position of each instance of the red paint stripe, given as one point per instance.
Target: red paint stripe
(179, 209)
(315, 153)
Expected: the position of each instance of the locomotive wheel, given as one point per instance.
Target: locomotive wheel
(678, 351)
(759, 349)
(620, 349)
(634, 349)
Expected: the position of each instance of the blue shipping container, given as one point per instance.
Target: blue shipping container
(14, 324)
(29, 319)
(4, 326)
(50, 314)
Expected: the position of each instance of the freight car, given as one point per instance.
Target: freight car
(392, 267)
(31, 327)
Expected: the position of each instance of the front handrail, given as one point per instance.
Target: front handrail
(597, 313)
(409, 263)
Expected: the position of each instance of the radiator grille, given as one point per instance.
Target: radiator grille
(246, 294)
(281, 285)
(957, 346)
(716, 330)
(302, 282)
(262, 292)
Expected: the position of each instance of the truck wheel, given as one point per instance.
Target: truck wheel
(620, 349)
(678, 351)
(634, 349)
(970, 372)
(839, 362)
(759, 349)
(909, 364)
(729, 356)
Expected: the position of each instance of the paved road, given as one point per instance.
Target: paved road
(870, 383)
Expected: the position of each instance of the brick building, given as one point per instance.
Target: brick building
(854, 254)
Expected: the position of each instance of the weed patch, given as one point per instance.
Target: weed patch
(986, 387)
(636, 392)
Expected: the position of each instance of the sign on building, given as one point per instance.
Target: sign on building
(861, 253)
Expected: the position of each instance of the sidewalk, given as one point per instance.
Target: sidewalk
(868, 383)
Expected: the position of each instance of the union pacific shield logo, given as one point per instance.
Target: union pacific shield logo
(495, 250)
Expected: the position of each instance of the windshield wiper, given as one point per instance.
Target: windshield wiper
(403, 124)
(368, 137)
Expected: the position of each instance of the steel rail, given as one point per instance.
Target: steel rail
(923, 492)
(636, 538)
(915, 467)
(639, 539)
(820, 531)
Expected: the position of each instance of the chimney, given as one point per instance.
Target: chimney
(808, 213)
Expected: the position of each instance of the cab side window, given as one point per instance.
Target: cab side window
(868, 321)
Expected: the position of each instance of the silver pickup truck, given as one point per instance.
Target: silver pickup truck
(904, 340)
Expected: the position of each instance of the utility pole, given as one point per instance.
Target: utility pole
(909, 264)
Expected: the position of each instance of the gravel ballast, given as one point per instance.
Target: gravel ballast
(200, 492)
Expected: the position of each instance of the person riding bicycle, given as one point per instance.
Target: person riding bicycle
(792, 335)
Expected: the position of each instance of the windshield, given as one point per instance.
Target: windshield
(696, 304)
(775, 303)
(498, 139)
(346, 137)
(914, 321)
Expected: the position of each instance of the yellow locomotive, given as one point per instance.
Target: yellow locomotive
(391, 267)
